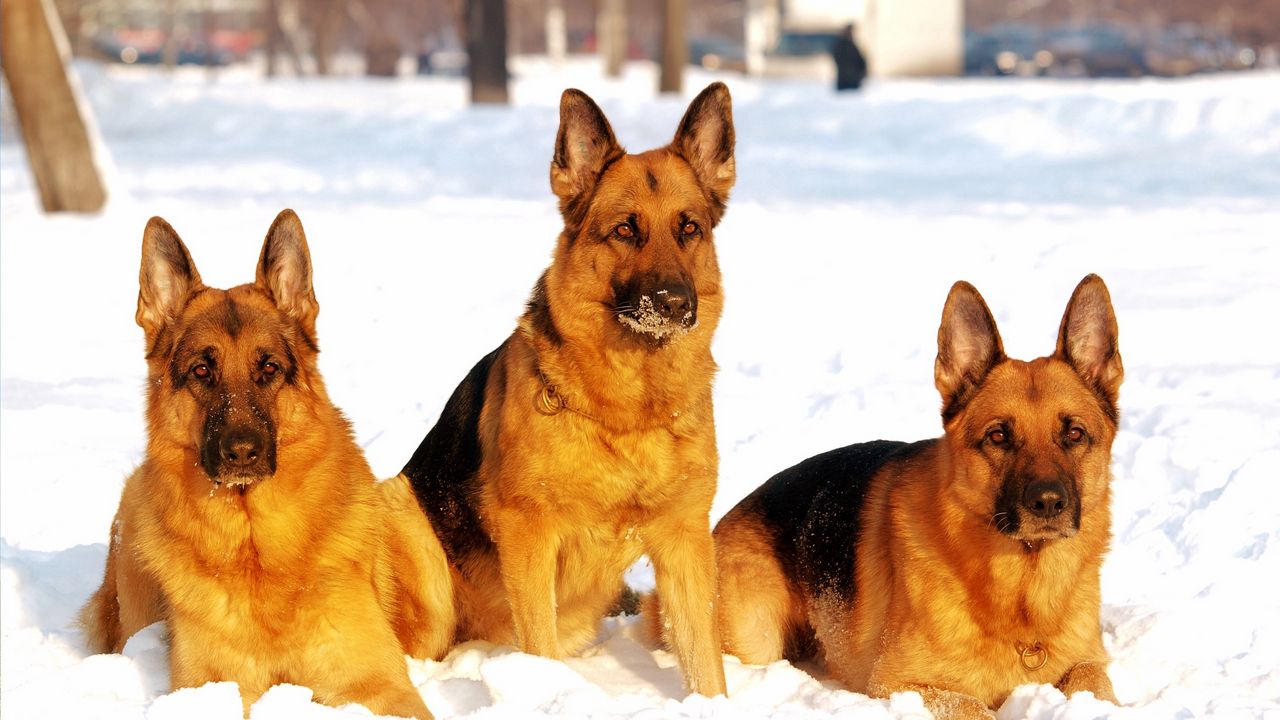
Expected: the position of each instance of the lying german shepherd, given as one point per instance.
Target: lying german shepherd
(254, 526)
(587, 438)
(960, 567)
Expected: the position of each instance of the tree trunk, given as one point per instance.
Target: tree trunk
(34, 51)
(381, 48)
(674, 51)
(381, 56)
(169, 51)
(487, 50)
(281, 17)
(557, 42)
(208, 29)
(325, 33)
(295, 41)
(611, 36)
(275, 36)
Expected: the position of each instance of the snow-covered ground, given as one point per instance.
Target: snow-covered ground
(430, 220)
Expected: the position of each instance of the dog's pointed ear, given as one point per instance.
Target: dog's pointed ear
(705, 140)
(1089, 339)
(968, 347)
(584, 145)
(284, 271)
(167, 277)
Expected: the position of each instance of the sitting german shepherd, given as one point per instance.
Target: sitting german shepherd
(254, 527)
(959, 567)
(587, 437)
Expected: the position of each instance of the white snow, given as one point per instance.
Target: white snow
(429, 222)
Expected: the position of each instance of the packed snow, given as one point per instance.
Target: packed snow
(429, 221)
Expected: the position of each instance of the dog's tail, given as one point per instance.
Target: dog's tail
(627, 602)
(100, 617)
(414, 580)
(654, 628)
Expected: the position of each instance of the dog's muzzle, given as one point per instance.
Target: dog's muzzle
(239, 456)
(660, 313)
(1047, 510)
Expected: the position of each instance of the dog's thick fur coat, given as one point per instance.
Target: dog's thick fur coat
(587, 438)
(254, 526)
(960, 567)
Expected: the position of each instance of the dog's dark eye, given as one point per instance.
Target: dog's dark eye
(624, 231)
(200, 371)
(998, 436)
(1075, 434)
(269, 369)
(689, 228)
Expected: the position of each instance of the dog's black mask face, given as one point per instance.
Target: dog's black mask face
(1036, 503)
(220, 359)
(656, 308)
(1030, 441)
(637, 248)
(233, 360)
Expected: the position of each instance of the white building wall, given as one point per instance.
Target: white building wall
(899, 37)
(915, 37)
(823, 13)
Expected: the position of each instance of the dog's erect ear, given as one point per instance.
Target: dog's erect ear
(968, 347)
(284, 271)
(584, 145)
(705, 140)
(166, 278)
(1088, 339)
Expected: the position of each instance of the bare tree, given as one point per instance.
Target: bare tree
(383, 22)
(274, 36)
(487, 50)
(611, 35)
(283, 33)
(324, 29)
(674, 51)
(557, 41)
(169, 51)
(35, 52)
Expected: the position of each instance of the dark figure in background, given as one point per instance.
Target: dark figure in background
(851, 66)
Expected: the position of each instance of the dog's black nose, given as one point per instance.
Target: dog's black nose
(240, 448)
(1045, 498)
(673, 303)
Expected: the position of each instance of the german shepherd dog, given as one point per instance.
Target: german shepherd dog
(959, 567)
(254, 526)
(587, 437)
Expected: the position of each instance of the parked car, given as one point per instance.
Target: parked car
(717, 53)
(1174, 53)
(1096, 51)
(1007, 49)
(114, 49)
(802, 53)
(1186, 48)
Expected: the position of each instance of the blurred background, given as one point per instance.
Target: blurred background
(758, 37)
(484, 42)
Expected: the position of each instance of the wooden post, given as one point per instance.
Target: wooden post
(275, 36)
(326, 31)
(611, 36)
(169, 50)
(674, 51)
(487, 50)
(557, 42)
(50, 113)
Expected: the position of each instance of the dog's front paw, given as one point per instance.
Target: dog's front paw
(944, 704)
(1088, 677)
